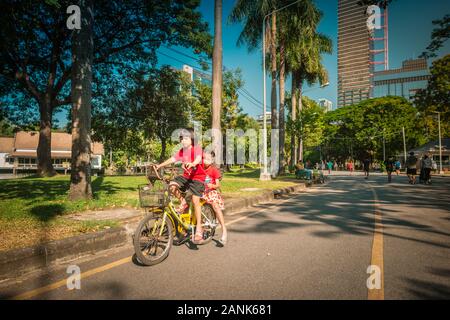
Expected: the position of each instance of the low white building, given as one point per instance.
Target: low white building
(20, 152)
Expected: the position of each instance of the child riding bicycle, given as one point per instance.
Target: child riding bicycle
(193, 178)
(212, 195)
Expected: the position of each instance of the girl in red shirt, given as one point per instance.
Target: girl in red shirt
(212, 195)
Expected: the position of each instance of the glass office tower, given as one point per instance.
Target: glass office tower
(402, 82)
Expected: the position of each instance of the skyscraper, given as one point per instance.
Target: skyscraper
(354, 54)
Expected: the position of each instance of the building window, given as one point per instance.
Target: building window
(33, 160)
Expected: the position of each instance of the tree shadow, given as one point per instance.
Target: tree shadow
(349, 209)
(46, 213)
(428, 290)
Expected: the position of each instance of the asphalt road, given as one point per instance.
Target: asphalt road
(314, 245)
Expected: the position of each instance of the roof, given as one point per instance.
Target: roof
(28, 142)
(433, 146)
(6, 144)
(33, 154)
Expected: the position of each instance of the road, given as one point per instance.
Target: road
(313, 245)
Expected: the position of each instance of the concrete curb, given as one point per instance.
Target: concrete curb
(23, 260)
(20, 261)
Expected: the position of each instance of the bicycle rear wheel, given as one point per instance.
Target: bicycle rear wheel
(209, 223)
(153, 239)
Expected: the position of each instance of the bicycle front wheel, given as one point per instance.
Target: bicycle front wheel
(153, 239)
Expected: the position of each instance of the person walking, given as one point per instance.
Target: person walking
(411, 168)
(330, 166)
(390, 165)
(426, 167)
(434, 166)
(366, 167)
(420, 168)
(351, 166)
(398, 166)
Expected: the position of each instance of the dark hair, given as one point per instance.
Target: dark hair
(188, 132)
(411, 153)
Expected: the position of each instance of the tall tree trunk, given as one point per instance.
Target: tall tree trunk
(82, 54)
(282, 122)
(217, 81)
(300, 108)
(293, 117)
(44, 158)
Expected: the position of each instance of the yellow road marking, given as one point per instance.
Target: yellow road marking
(56, 285)
(84, 275)
(377, 249)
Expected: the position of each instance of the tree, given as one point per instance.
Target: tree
(252, 14)
(359, 130)
(304, 51)
(82, 54)
(436, 97)
(438, 37)
(36, 49)
(217, 78)
(160, 105)
(309, 124)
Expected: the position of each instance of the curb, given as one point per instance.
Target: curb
(23, 260)
(17, 262)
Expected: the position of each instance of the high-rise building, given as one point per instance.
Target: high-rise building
(325, 103)
(198, 75)
(402, 82)
(354, 54)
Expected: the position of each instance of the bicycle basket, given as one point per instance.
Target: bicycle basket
(151, 196)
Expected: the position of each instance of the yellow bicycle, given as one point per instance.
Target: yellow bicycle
(162, 225)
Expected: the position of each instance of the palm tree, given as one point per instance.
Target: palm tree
(296, 27)
(303, 57)
(217, 80)
(252, 13)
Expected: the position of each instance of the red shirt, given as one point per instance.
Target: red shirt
(189, 155)
(213, 173)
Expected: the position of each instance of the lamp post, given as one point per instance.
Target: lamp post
(440, 141)
(265, 174)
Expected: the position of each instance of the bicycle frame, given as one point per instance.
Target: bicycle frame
(171, 213)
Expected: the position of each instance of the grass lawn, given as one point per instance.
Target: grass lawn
(32, 210)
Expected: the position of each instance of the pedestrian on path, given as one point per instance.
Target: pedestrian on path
(398, 166)
(366, 165)
(350, 166)
(390, 165)
(411, 168)
(330, 166)
(427, 165)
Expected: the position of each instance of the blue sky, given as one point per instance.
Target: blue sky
(409, 34)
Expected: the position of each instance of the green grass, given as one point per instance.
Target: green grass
(33, 210)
